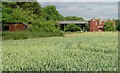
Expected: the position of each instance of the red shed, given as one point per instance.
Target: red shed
(17, 26)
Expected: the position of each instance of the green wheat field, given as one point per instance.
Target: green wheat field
(90, 51)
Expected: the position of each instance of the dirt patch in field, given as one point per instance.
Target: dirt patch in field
(73, 34)
(84, 33)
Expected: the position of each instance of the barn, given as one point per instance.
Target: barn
(15, 26)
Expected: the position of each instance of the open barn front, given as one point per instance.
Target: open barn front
(83, 25)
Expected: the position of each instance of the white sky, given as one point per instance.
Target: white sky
(103, 9)
(78, 0)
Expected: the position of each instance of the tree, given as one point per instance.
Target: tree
(33, 6)
(18, 15)
(9, 4)
(109, 26)
(6, 11)
(72, 28)
(51, 13)
(48, 26)
(72, 18)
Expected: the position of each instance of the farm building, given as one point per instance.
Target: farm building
(81, 24)
(15, 26)
(96, 25)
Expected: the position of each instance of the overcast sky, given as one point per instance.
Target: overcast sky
(87, 10)
(78, 0)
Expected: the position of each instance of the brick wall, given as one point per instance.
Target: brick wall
(96, 25)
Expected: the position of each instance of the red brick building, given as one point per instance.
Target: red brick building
(96, 25)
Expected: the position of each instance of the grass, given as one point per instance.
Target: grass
(79, 52)
(28, 34)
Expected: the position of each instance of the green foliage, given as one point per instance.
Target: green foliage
(31, 12)
(72, 18)
(63, 53)
(17, 15)
(6, 13)
(21, 17)
(33, 6)
(109, 26)
(86, 28)
(72, 28)
(48, 26)
(51, 13)
(38, 18)
(117, 23)
(28, 34)
(9, 4)
(7, 10)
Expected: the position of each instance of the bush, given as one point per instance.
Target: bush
(117, 22)
(72, 28)
(47, 26)
(109, 26)
(86, 28)
(28, 34)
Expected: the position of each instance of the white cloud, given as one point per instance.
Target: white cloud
(86, 9)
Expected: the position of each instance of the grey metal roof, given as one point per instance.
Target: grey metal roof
(73, 22)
